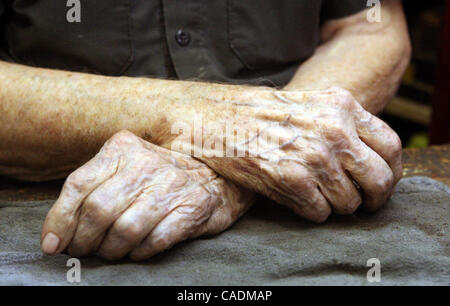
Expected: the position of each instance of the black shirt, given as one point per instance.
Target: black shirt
(239, 41)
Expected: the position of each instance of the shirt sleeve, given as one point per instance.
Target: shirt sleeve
(335, 9)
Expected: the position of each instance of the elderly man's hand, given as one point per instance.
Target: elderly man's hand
(139, 199)
(314, 151)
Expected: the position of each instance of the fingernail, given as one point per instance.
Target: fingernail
(50, 244)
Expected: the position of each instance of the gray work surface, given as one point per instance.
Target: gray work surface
(268, 246)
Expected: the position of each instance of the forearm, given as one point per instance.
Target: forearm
(52, 121)
(368, 59)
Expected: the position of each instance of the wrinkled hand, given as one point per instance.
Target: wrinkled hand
(139, 199)
(330, 151)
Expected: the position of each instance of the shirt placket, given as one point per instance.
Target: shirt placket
(184, 24)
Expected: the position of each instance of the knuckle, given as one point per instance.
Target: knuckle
(337, 133)
(97, 211)
(318, 156)
(123, 134)
(396, 146)
(335, 126)
(345, 99)
(349, 207)
(384, 183)
(321, 216)
(75, 182)
(128, 230)
(354, 204)
(62, 214)
(122, 138)
(312, 212)
(161, 243)
(72, 178)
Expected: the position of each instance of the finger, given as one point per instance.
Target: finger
(232, 203)
(381, 139)
(303, 193)
(176, 227)
(62, 219)
(140, 219)
(104, 206)
(338, 189)
(132, 227)
(371, 172)
(315, 207)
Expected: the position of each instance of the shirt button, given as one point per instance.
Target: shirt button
(183, 38)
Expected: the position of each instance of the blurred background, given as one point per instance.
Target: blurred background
(420, 113)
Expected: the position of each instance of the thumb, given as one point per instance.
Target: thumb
(62, 219)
